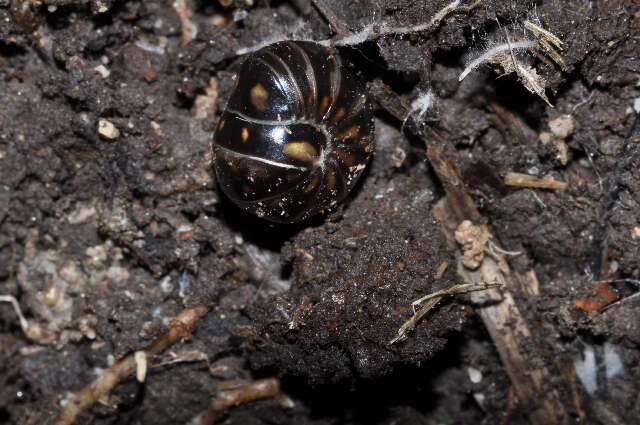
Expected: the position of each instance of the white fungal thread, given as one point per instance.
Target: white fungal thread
(493, 52)
(369, 32)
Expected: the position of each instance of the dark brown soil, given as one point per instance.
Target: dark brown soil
(104, 240)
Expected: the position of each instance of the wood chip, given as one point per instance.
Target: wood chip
(526, 180)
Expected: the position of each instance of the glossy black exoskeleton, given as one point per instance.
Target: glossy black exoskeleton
(296, 134)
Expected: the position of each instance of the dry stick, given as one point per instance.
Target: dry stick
(507, 326)
(435, 298)
(226, 399)
(180, 327)
(527, 180)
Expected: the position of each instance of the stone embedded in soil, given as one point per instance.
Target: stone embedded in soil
(108, 130)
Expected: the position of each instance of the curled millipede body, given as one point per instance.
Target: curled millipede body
(296, 134)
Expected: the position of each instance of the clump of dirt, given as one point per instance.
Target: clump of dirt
(353, 284)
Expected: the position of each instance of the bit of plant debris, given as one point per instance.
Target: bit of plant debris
(473, 239)
(504, 55)
(526, 180)
(433, 299)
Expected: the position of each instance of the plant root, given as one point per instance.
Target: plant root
(232, 394)
(180, 327)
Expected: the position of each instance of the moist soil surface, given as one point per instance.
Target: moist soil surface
(111, 221)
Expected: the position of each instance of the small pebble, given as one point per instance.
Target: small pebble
(102, 70)
(475, 375)
(108, 130)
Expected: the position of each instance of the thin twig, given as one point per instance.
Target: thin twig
(633, 281)
(543, 33)
(527, 180)
(625, 299)
(227, 398)
(435, 298)
(492, 249)
(180, 327)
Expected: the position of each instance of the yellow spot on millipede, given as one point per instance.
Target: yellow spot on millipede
(340, 113)
(331, 180)
(324, 105)
(259, 97)
(244, 134)
(312, 184)
(302, 151)
(350, 132)
(347, 158)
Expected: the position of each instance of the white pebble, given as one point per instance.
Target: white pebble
(107, 129)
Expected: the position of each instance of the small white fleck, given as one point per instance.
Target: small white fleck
(612, 361)
(140, 358)
(102, 70)
(475, 375)
(183, 283)
(586, 369)
(165, 285)
(479, 398)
